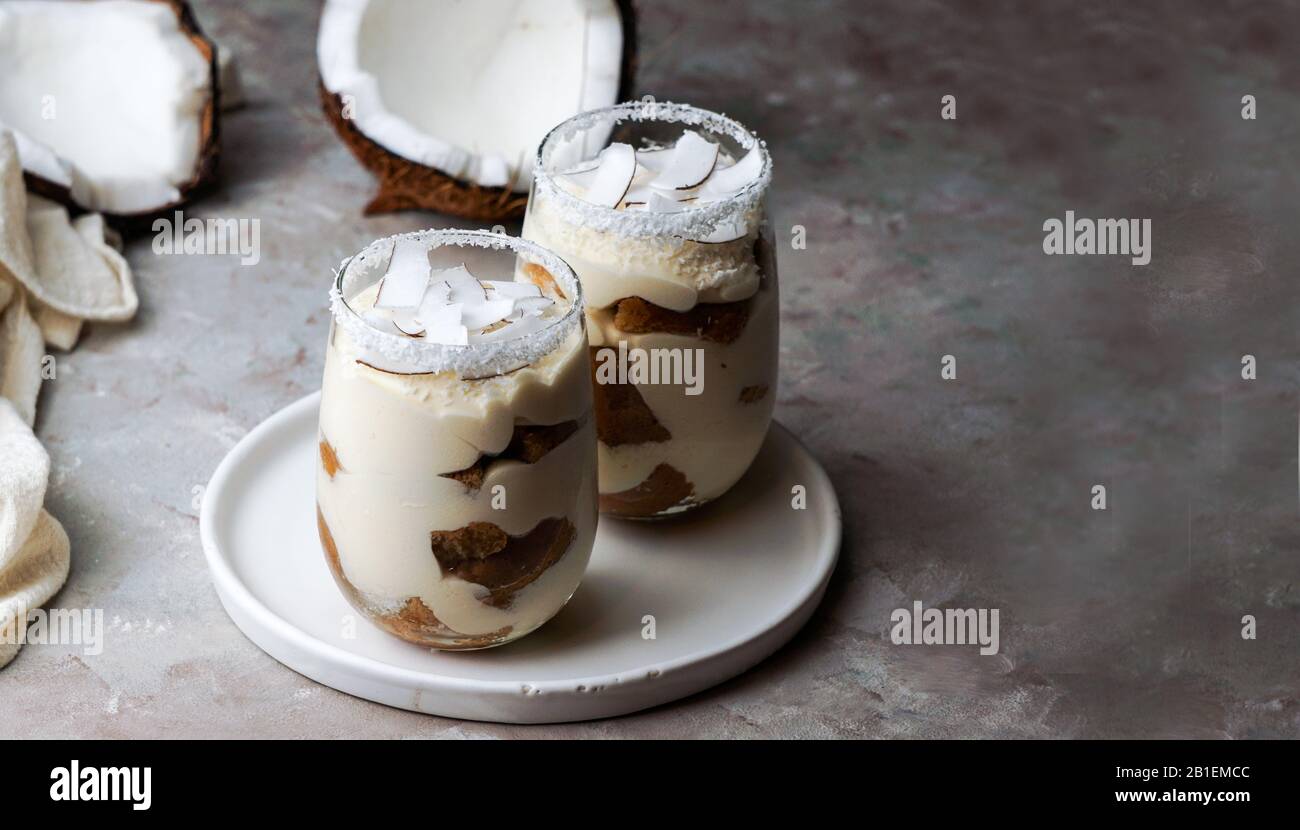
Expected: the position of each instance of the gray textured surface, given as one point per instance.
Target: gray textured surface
(924, 240)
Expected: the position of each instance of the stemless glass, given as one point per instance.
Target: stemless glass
(692, 288)
(456, 492)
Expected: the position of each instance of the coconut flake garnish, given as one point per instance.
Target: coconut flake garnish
(728, 180)
(655, 159)
(532, 305)
(437, 294)
(463, 287)
(692, 172)
(637, 195)
(510, 348)
(484, 314)
(380, 322)
(582, 177)
(443, 325)
(664, 204)
(613, 176)
(408, 323)
(526, 324)
(700, 218)
(693, 159)
(498, 289)
(455, 308)
(407, 277)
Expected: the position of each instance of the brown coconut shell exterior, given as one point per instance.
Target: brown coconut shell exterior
(409, 185)
(209, 139)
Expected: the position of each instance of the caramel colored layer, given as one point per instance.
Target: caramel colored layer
(622, 415)
(543, 279)
(529, 444)
(718, 322)
(476, 540)
(414, 622)
(486, 555)
(665, 487)
(417, 624)
(329, 460)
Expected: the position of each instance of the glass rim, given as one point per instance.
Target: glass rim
(487, 358)
(690, 222)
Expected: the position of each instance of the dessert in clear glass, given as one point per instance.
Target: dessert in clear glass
(456, 492)
(659, 208)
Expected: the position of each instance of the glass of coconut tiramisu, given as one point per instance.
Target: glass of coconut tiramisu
(456, 488)
(659, 208)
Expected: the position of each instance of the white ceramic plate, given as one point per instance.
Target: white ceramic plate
(726, 586)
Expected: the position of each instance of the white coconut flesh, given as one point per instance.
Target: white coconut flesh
(105, 99)
(470, 87)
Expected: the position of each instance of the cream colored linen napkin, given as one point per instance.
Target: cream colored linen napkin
(55, 272)
(33, 547)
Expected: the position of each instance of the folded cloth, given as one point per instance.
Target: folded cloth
(34, 549)
(23, 475)
(60, 330)
(77, 272)
(65, 265)
(55, 272)
(38, 571)
(16, 256)
(21, 352)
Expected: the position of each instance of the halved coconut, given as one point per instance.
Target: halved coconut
(113, 104)
(445, 102)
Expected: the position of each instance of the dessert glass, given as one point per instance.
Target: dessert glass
(456, 497)
(698, 283)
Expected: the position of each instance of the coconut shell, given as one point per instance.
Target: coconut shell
(409, 185)
(209, 134)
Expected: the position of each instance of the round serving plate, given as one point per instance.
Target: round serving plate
(666, 609)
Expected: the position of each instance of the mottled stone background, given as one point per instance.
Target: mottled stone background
(924, 239)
